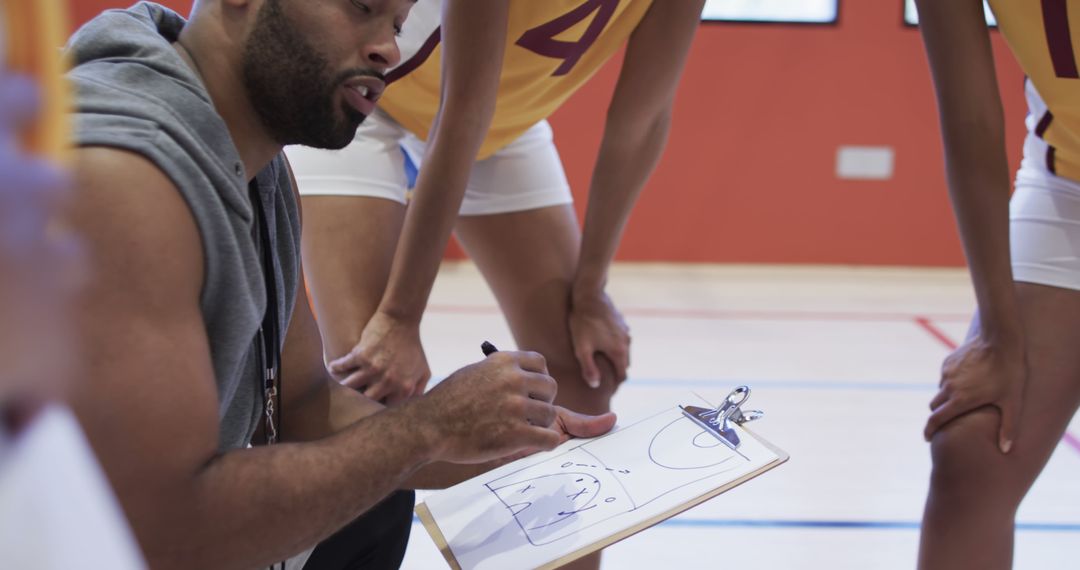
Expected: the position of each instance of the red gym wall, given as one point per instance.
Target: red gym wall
(749, 174)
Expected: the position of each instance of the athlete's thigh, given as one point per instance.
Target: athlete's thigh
(1045, 235)
(529, 259)
(348, 248)
(518, 225)
(354, 208)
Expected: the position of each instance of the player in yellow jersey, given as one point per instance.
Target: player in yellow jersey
(469, 105)
(1008, 394)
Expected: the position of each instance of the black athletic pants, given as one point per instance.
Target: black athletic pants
(374, 541)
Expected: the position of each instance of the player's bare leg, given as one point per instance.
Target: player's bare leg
(348, 245)
(974, 488)
(529, 259)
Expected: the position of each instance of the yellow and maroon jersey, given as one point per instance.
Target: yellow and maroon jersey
(553, 47)
(1045, 37)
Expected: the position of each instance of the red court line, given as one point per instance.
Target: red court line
(734, 314)
(928, 325)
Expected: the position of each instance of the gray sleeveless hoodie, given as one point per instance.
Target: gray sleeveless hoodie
(134, 92)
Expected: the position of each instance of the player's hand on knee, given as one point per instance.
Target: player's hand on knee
(977, 374)
(388, 364)
(492, 409)
(598, 330)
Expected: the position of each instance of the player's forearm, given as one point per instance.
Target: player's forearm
(250, 508)
(428, 226)
(440, 188)
(636, 131)
(433, 212)
(979, 190)
(972, 125)
(628, 155)
(474, 37)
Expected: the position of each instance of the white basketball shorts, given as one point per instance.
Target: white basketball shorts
(525, 175)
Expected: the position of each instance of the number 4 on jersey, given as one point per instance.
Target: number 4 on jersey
(1059, 38)
(541, 39)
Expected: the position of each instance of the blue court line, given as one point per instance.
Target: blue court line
(780, 384)
(843, 525)
(872, 525)
(784, 384)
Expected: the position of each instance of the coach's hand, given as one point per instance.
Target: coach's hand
(597, 328)
(388, 364)
(497, 407)
(571, 425)
(501, 409)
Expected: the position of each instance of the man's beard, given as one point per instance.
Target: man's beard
(291, 88)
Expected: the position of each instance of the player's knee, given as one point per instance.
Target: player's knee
(576, 395)
(966, 457)
(563, 365)
(561, 361)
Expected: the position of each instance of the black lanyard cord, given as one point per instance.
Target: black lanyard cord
(269, 335)
(268, 338)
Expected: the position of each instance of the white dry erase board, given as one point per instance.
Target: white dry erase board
(551, 508)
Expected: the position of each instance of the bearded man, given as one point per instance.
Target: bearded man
(200, 344)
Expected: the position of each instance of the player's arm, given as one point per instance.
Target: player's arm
(473, 42)
(474, 38)
(149, 405)
(989, 369)
(635, 134)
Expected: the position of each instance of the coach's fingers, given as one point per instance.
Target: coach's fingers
(582, 425)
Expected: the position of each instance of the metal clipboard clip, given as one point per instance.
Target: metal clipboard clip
(721, 421)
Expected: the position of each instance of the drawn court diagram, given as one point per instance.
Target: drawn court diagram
(553, 504)
(591, 483)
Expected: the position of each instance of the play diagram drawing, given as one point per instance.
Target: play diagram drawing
(551, 504)
(590, 483)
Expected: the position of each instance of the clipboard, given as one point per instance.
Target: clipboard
(719, 424)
